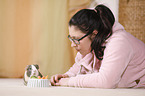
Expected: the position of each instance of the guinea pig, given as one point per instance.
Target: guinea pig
(31, 70)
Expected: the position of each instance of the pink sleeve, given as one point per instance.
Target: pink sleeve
(116, 58)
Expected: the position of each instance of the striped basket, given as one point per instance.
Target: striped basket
(38, 83)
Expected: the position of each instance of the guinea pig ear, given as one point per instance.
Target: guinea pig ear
(37, 66)
(27, 67)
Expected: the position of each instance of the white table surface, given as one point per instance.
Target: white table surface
(15, 87)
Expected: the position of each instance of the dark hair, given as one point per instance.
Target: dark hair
(101, 20)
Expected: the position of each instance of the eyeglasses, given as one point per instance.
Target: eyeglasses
(76, 41)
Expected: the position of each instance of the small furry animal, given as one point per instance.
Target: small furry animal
(31, 70)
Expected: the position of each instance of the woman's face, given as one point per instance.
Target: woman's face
(85, 44)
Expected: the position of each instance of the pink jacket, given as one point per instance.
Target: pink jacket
(123, 64)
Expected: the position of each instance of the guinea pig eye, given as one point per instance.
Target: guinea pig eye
(29, 69)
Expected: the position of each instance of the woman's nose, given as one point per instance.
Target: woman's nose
(73, 44)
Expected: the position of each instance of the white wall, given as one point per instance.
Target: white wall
(112, 4)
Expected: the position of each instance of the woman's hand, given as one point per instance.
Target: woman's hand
(63, 82)
(56, 78)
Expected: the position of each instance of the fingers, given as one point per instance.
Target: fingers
(52, 81)
(57, 84)
(55, 79)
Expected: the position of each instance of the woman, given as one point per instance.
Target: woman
(108, 56)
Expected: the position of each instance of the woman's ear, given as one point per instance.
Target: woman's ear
(94, 33)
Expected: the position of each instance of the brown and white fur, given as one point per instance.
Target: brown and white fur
(31, 70)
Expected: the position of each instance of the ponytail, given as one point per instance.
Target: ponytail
(104, 31)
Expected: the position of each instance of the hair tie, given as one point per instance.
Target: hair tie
(95, 10)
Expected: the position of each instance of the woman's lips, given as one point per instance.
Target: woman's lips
(77, 49)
